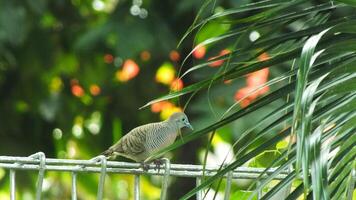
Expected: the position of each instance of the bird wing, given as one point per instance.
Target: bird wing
(133, 143)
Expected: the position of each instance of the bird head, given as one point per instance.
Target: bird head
(180, 119)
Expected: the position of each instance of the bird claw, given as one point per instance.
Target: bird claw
(158, 163)
(145, 166)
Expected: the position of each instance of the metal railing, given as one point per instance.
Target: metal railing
(40, 163)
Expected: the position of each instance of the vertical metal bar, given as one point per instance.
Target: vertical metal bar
(228, 185)
(199, 193)
(12, 184)
(42, 157)
(165, 178)
(40, 175)
(137, 187)
(74, 186)
(103, 161)
(259, 194)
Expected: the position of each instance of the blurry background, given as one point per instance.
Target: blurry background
(74, 73)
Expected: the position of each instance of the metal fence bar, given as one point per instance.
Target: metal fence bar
(199, 193)
(241, 174)
(119, 165)
(167, 167)
(12, 184)
(42, 166)
(259, 193)
(74, 185)
(228, 185)
(137, 187)
(103, 161)
(38, 162)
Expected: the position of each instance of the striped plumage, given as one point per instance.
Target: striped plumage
(145, 140)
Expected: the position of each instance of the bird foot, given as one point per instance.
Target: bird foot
(158, 163)
(145, 166)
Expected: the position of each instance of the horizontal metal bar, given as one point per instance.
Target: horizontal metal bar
(84, 164)
(179, 173)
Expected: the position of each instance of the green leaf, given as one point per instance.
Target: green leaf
(306, 62)
(237, 163)
(349, 2)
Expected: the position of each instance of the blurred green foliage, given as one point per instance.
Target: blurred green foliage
(59, 88)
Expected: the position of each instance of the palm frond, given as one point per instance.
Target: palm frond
(320, 39)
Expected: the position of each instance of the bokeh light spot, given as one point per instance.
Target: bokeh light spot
(263, 90)
(22, 106)
(245, 92)
(218, 63)
(95, 89)
(177, 84)
(74, 82)
(77, 91)
(174, 55)
(199, 51)
(254, 35)
(47, 183)
(143, 13)
(57, 133)
(264, 56)
(129, 70)
(118, 62)
(108, 58)
(228, 81)
(137, 2)
(93, 124)
(162, 105)
(145, 55)
(254, 81)
(257, 78)
(166, 113)
(56, 84)
(135, 10)
(71, 149)
(165, 73)
(98, 5)
(77, 131)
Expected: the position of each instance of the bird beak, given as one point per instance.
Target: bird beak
(187, 124)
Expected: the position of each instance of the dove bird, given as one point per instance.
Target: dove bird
(142, 142)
